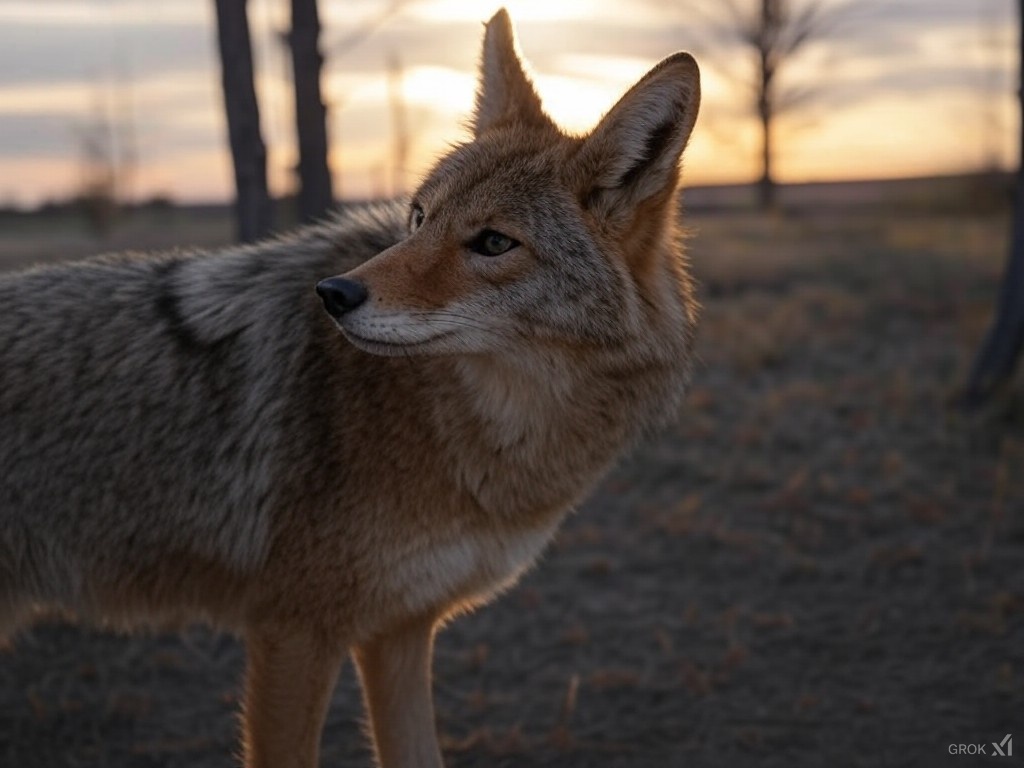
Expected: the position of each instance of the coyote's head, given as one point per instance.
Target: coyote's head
(528, 236)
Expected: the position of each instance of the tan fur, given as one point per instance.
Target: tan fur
(322, 495)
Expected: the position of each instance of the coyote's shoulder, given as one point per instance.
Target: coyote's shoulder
(148, 403)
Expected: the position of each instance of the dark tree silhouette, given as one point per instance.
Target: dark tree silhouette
(773, 32)
(399, 124)
(315, 192)
(98, 192)
(248, 152)
(1001, 349)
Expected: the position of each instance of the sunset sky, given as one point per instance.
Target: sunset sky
(902, 88)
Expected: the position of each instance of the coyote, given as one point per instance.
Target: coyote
(191, 436)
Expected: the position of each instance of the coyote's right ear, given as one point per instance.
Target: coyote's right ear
(505, 93)
(634, 152)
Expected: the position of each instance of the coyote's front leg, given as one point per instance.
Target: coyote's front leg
(394, 668)
(289, 681)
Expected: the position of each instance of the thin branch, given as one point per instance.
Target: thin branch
(364, 30)
(801, 27)
(797, 97)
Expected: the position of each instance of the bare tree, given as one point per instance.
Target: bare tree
(248, 151)
(315, 192)
(355, 37)
(773, 32)
(97, 193)
(1000, 352)
(108, 153)
(399, 124)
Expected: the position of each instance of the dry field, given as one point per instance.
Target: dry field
(822, 564)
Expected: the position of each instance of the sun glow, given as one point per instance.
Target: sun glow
(523, 11)
(886, 110)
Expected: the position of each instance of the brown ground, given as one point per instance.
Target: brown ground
(821, 565)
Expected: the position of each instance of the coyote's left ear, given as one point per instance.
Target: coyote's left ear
(634, 152)
(505, 94)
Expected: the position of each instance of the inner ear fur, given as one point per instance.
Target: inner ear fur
(633, 155)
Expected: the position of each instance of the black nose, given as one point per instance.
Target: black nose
(340, 295)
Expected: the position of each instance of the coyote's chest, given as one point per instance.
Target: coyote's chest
(466, 568)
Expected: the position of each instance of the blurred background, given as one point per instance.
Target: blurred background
(820, 563)
(132, 89)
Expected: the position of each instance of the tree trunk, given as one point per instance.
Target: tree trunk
(998, 357)
(767, 33)
(315, 195)
(766, 184)
(247, 149)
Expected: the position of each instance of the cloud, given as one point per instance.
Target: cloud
(65, 52)
(60, 58)
(39, 136)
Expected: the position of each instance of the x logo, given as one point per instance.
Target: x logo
(1006, 742)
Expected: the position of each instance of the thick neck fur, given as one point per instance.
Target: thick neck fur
(522, 436)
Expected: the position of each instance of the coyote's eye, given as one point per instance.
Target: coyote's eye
(491, 243)
(416, 217)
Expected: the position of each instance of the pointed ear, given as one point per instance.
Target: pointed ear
(634, 152)
(504, 94)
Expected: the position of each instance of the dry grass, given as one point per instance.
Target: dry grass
(819, 564)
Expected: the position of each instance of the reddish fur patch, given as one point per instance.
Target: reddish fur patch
(418, 276)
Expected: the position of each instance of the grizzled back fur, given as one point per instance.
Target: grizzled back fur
(147, 405)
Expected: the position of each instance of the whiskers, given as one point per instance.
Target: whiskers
(457, 320)
(409, 333)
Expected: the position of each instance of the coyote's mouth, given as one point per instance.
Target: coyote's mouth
(393, 347)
